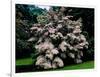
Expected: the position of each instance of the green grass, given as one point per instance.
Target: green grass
(25, 61)
(85, 65)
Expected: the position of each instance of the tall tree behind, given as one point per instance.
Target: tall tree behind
(26, 15)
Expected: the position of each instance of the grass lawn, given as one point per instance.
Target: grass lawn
(85, 65)
(25, 61)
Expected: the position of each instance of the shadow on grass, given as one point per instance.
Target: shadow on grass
(23, 68)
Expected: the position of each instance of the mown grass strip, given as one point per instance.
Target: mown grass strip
(85, 65)
(25, 61)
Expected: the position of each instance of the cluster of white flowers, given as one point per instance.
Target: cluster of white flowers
(60, 38)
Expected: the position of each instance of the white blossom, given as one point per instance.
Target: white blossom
(58, 62)
(62, 46)
(55, 51)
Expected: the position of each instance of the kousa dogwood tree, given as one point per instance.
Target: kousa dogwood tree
(58, 38)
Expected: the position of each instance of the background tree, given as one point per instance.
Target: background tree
(26, 15)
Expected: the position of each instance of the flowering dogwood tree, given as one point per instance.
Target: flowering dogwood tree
(57, 39)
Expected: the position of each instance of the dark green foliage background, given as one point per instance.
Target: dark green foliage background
(25, 16)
